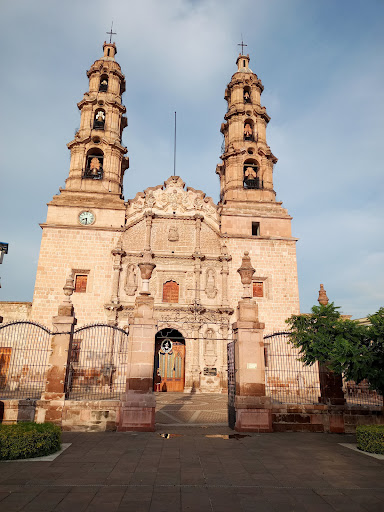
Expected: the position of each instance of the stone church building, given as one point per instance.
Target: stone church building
(193, 245)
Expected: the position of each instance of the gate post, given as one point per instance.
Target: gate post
(137, 410)
(253, 407)
(50, 406)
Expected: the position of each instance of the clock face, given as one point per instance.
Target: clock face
(86, 218)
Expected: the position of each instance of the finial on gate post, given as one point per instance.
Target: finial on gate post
(146, 268)
(323, 299)
(66, 307)
(246, 272)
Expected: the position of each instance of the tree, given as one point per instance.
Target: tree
(348, 348)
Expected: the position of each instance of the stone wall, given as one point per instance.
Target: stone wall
(11, 311)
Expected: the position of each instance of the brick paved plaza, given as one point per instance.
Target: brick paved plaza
(197, 471)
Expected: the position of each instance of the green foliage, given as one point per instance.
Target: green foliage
(27, 440)
(370, 438)
(345, 346)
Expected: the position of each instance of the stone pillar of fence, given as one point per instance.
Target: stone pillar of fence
(253, 407)
(51, 404)
(137, 411)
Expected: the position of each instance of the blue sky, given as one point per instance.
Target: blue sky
(321, 63)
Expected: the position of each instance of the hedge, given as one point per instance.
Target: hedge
(27, 440)
(370, 438)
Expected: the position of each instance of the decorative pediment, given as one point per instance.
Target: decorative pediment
(172, 197)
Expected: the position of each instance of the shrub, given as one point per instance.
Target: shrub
(27, 440)
(370, 438)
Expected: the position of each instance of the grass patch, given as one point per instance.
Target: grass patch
(27, 440)
(370, 438)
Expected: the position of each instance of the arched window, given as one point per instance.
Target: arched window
(94, 164)
(99, 119)
(247, 94)
(251, 174)
(103, 87)
(170, 291)
(248, 130)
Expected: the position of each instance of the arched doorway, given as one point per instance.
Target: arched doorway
(169, 368)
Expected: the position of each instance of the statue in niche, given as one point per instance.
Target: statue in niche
(210, 283)
(131, 280)
(173, 234)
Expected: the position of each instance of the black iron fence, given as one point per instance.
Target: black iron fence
(289, 381)
(98, 360)
(24, 356)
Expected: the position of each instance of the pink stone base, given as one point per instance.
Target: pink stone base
(253, 420)
(136, 418)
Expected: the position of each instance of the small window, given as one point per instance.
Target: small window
(170, 292)
(109, 51)
(81, 283)
(243, 63)
(255, 228)
(257, 289)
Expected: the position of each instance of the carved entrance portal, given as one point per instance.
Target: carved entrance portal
(169, 368)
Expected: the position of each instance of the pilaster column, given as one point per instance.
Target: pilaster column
(148, 230)
(51, 404)
(224, 258)
(114, 305)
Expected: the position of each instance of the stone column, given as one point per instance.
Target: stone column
(114, 306)
(137, 411)
(224, 258)
(50, 406)
(253, 408)
(148, 229)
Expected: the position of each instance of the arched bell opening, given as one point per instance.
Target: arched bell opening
(94, 164)
(252, 179)
(169, 367)
(247, 94)
(99, 119)
(249, 130)
(103, 87)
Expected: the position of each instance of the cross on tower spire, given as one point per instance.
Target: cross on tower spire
(242, 44)
(111, 33)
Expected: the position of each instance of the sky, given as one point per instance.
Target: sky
(320, 61)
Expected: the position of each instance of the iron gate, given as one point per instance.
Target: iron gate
(231, 384)
(25, 347)
(97, 364)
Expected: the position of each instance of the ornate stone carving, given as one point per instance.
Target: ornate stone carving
(210, 348)
(210, 283)
(131, 280)
(172, 197)
(173, 234)
(323, 299)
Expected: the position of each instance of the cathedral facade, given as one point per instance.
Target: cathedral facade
(193, 246)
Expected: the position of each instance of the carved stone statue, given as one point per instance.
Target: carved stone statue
(210, 283)
(131, 280)
(173, 234)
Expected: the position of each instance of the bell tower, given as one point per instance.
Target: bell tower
(246, 171)
(98, 160)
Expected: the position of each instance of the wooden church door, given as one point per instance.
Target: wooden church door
(170, 365)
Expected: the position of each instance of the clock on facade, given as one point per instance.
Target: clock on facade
(86, 218)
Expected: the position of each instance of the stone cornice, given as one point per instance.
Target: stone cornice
(79, 228)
